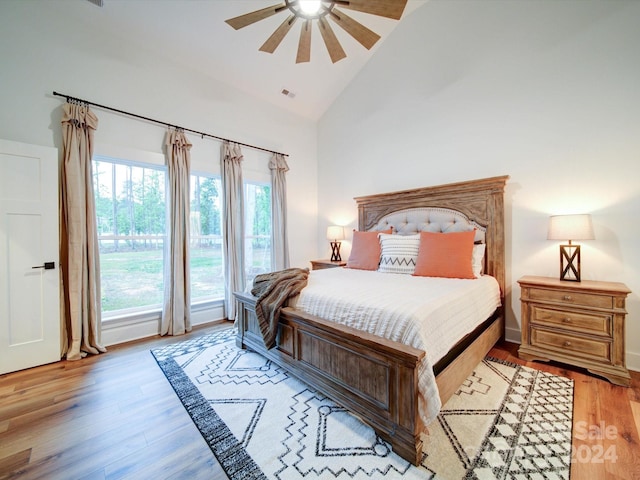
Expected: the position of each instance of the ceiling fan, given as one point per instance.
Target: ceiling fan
(321, 10)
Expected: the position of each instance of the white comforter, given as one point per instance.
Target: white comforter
(430, 314)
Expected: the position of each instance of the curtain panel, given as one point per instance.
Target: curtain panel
(79, 256)
(176, 309)
(280, 245)
(233, 224)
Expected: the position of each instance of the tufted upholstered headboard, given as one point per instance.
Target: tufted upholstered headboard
(451, 207)
(429, 219)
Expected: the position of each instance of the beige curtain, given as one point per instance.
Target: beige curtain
(176, 310)
(233, 224)
(280, 246)
(79, 256)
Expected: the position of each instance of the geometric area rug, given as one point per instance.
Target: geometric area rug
(505, 422)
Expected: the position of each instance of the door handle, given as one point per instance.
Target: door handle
(47, 266)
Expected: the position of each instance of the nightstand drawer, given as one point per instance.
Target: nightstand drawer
(571, 298)
(569, 344)
(571, 320)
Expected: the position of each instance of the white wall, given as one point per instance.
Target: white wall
(59, 46)
(546, 92)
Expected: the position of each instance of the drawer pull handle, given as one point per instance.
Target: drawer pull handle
(567, 298)
(566, 320)
(566, 344)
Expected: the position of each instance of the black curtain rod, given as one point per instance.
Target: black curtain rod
(202, 134)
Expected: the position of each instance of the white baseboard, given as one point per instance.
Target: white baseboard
(145, 325)
(633, 361)
(512, 335)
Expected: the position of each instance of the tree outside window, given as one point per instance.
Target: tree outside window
(131, 218)
(257, 245)
(130, 211)
(207, 273)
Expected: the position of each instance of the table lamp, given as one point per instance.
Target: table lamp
(335, 233)
(570, 227)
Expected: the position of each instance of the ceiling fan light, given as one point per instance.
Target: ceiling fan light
(310, 7)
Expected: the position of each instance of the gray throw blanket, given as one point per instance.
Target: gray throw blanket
(273, 290)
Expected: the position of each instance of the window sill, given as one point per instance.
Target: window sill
(141, 324)
(156, 313)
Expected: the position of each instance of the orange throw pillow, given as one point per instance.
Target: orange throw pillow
(365, 250)
(445, 255)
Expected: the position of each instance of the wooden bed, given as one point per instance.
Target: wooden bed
(376, 378)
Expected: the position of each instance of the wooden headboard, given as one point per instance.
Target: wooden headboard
(481, 201)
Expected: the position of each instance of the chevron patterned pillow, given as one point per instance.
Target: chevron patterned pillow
(399, 253)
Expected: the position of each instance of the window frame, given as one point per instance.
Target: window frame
(255, 170)
(142, 311)
(208, 301)
(258, 180)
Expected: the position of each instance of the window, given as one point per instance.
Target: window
(130, 211)
(257, 232)
(131, 221)
(207, 270)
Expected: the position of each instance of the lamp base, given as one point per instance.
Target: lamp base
(570, 263)
(335, 252)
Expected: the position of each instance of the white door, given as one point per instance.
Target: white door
(29, 274)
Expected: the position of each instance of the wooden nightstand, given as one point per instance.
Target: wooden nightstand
(320, 264)
(580, 323)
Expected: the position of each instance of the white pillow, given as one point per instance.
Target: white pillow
(477, 259)
(398, 253)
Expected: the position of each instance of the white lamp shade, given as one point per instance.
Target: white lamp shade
(335, 232)
(570, 227)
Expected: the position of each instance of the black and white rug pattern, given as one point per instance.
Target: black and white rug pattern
(505, 422)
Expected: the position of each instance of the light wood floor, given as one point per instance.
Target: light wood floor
(115, 416)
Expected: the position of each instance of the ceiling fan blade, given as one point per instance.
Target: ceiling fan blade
(253, 17)
(362, 34)
(304, 46)
(383, 8)
(276, 37)
(331, 41)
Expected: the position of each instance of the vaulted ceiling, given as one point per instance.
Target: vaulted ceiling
(194, 32)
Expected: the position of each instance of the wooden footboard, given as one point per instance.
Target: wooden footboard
(374, 378)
